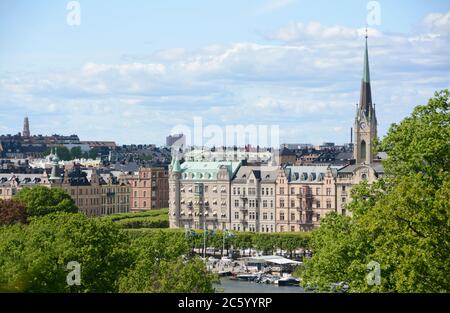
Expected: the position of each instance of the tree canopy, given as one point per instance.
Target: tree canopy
(41, 200)
(402, 222)
(34, 257)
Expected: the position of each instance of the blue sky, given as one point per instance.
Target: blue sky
(133, 70)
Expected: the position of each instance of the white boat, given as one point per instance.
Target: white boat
(247, 277)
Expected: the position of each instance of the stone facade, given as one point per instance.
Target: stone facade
(115, 194)
(93, 194)
(252, 199)
(200, 194)
(304, 195)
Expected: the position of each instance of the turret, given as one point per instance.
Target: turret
(174, 192)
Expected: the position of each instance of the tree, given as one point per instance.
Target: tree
(41, 200)
(161, 266)
(419, 144)
(63, 153)
(331, 245)
(401, 222)
(12, 212)
(76, 153)
(93, 153)
(34, 258)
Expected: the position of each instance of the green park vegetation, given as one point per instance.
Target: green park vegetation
(401, 222)
(149, 219)
(145, 224)
(41, 233)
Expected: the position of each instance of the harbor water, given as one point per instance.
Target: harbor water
(228, 285)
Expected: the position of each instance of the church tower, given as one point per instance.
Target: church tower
(365, 121)
(26, 128)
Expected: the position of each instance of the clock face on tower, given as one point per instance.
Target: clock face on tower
(363, 125)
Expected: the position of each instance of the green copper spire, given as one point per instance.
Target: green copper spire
(365, 100)
(176, 168)
(366, 73)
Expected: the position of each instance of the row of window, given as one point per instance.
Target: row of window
(154, 175)
(7, 191)
(144, 183)
(253, 203)
(87, 201)
(197, 189)
(308, 217)
(143, 194)
(301, 191)
(253, 216)
(317, 204)
(265, 191)
(120, 190)
(264, 228)
(112, 200)
(144, 204)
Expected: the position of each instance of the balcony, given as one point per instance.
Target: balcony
(243, 208)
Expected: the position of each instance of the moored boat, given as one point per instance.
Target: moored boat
(289, 281)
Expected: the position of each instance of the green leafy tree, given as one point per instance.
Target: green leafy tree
(63, 153)
(34, 258)
(93, 153)
(161, 265)
(401, 222)
(76, 153)
(41, 200)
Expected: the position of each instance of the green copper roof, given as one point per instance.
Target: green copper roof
(55, 158)
(366, 73)
(176, 166)
(207, 170)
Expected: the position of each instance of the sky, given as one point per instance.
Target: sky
(133, 71)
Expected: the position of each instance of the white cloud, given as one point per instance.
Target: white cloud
(306, 79)
(438, 23)
(296, 32)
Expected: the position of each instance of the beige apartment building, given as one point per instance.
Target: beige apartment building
(304, 195)
(10, 184)
(200, 194)
(252, 199)
(115, 193)
(93, 194)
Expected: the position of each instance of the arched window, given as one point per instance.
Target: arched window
(363, 150)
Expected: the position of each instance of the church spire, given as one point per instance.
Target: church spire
(366, 121)
(365, 101)
(366, 73)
